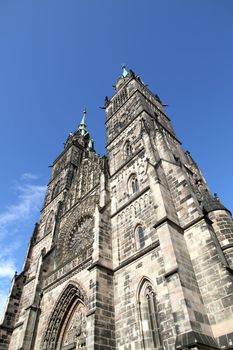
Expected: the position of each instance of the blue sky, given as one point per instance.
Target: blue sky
(59, 56)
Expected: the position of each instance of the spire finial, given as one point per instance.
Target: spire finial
(83, 121)
(82, 127)
(124, 70)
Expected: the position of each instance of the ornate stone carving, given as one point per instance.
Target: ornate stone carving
(75, 332)
(76, 235)
(67, 323)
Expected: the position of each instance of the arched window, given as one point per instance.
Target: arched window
(56, 190)
(49, 223)
(140, 237)
(149, 316)
(127, 149)
(134, 184)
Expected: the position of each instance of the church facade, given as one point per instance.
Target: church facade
(131, 250)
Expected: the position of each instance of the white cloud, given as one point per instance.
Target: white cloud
(7, 272)
(29, 200)
(7, 268)
(12, 221)
(29, 177)
(3, 299)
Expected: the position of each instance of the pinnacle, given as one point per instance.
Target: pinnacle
(82, 127)
(124, 70)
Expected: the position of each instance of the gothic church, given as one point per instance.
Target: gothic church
(131, 250)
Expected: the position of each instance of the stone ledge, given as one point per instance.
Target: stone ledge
(226, 341)
(91, 312)
(6, 328)
(192, 338)
(133, 197)
(170, 222)
(137, 255)
(32, 307)
(171, 272)
(227, 246)
(126, 162)
(197, 220)
(18, 325)
(127, 261)
(98, 264)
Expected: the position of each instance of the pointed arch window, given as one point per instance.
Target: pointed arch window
(49, 223)
(127, 149)
(149, 316)
(56, 190)
(140, 237)
(134, 187)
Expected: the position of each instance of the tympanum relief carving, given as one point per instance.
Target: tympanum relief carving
(74, 336)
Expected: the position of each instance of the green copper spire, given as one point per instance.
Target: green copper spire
(82, 127)
(124, 70)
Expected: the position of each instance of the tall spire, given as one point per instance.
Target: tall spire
(82, 127)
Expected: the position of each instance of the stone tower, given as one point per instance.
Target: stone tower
(131, 250)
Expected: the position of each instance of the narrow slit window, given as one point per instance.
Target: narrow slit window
(135, 186)
(128, 149)
(56, 190)
(141, 237)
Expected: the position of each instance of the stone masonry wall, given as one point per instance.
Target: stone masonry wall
(127, 283)
(223, 227)
(213, 278)
(12, 307)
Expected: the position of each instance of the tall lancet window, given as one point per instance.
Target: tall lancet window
(133, 184)
(148, 316)
(49, 223)
(127, 149)
(140, 237)
(56, 190)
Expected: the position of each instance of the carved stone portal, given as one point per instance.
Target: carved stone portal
(66, 327)
(74, 336)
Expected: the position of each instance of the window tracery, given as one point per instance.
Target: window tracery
(134, 184)
(127, 149)
(76, 238)
(149, 316)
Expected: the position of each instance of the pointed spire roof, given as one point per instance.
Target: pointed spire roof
(211, 203)
(81, 135)
(83, 127)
